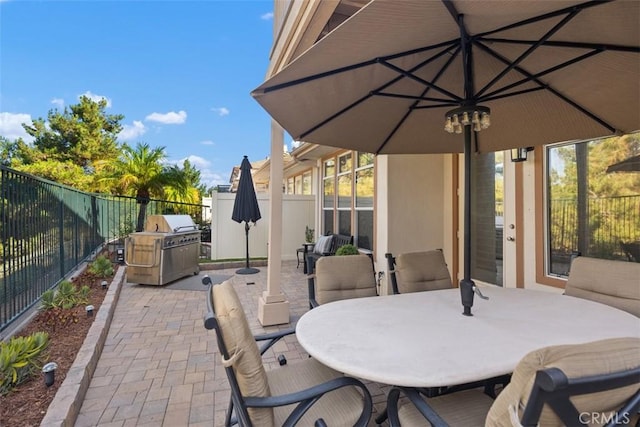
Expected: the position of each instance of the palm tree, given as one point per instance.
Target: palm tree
(187, 184)
(140, 172)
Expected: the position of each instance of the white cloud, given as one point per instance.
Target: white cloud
(95, 98)
(208, 142)
(267, 16)
(133, 131)
(222, 111)
(170, 118)
(208, 176)
(197, 161)
(58, 102)
(11, 126)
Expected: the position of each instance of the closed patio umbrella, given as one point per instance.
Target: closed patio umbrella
(505, 74)
(245, 208)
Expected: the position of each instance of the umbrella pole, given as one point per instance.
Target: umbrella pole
(467, 286)
(247, 269)
(246, 235)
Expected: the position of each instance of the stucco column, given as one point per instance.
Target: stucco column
(273, 308)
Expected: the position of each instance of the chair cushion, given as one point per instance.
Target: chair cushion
(598, 357)
(343, 277)
(614, 283)
(323, 244)
(422, 271)
(237, 337)
(341, 407)
(462, 409)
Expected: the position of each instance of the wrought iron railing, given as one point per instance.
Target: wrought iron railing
(47, 230)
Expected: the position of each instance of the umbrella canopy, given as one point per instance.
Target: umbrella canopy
(245, 207)
(543, 71)
(632, 164)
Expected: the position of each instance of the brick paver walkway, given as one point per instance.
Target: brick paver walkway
(160, 367)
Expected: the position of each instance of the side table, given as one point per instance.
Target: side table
(306, 247)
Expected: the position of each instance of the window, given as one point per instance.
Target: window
(345, 183)
(328, 195)
(299, 184)
(590, 210)
(364, 200)
(347, 201)
(306, 182)
(486, 217)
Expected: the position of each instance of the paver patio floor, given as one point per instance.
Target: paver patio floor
(160, 367)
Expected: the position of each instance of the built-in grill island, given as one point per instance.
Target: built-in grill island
(167, 250)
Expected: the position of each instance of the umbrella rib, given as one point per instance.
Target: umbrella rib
(413, 106)
(429, 85)
(560, 43)
(533, 20)
(350, 68)
(375, 91)
(496, 96)
(550, 89)
(565, 64)
(529, 51)
(415, 97)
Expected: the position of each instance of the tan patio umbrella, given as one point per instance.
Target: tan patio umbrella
(632, 164)
(523, 73)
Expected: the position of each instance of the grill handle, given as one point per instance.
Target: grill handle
(127, 252)
(190, 227)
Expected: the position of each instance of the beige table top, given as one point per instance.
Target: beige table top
(423, 340)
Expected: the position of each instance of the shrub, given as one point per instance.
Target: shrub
(347, 250)
(20, 358)
(58, 305)
(101, 267)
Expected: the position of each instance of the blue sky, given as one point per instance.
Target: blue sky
(181, 72)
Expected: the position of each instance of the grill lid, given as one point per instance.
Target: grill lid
(169, 224)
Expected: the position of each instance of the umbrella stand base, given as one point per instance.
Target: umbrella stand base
(249, 270)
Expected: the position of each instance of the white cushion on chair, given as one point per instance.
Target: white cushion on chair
(462, 409)
(578, 360)
(614, 283)
(343, 277)
(237, 336)
(323, 244)
(341, 407)
(422, 271)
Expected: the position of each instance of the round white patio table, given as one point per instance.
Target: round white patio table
(423, 340)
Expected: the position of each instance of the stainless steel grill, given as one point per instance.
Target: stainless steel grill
(166, 250)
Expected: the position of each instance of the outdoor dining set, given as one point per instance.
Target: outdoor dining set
(525, 357)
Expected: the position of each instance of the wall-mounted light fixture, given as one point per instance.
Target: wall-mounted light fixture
(520, 154)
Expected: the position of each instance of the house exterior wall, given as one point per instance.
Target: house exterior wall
(411, 206)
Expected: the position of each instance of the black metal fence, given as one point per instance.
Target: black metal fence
(47, 230)
(609, 229)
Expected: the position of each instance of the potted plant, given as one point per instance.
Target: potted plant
(347, 250)
(309, 234)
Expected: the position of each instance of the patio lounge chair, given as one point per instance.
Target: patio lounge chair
(341, 277)
(303, 393)
(570, 385)
(418, 271)
(614, 283)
